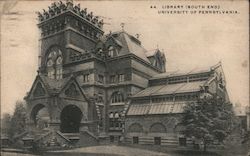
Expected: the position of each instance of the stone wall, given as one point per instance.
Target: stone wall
(152, 128)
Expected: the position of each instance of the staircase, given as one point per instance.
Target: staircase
(72, 136)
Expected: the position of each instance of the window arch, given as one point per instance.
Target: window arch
(54, 63)
(135, 127)
(158, 128)
(117, 97)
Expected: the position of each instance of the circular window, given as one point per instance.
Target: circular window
(59, 60)
(49, 63)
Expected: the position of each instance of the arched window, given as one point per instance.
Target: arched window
(54, 63)
(158, 128)
(117, 115)
(111, 115)
(115, 120)
(135, 127)
(117, 97)
(59, 68)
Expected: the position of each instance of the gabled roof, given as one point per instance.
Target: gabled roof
(52, 85)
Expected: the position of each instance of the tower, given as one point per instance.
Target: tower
(57, 94)
(66, 30)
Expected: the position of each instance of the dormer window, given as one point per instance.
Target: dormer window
(54, 64)
(112, 51)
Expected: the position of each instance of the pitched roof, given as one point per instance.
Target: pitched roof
(195, 70)
(129, 44)
(171, 89)
(156, 108)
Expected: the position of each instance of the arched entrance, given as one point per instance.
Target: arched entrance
(70, 119)
(40, 116)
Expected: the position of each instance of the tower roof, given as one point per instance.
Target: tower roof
(129, 44)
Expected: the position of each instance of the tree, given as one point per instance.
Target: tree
(208, 120)
(18, 120)
(5, 123)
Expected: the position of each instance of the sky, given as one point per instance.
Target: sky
(188, 40)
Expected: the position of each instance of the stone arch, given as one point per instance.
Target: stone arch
(39, 112)
(135, 127)
(158, 128)
(70, 117)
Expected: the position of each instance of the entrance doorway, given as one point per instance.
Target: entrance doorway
(71, 117)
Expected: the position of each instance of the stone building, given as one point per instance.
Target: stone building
(93, 87)
(154, 113)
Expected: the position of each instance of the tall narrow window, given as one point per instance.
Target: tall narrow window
(112, 78)
(59, 68)
(100, 78)
(117, 97)
(111, 51)
(121, 77)
(54, 63)
(86, 78)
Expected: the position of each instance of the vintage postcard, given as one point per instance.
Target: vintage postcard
(125, 78)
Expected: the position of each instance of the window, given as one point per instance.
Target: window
(99, 51)
(100, 78)
(111, 115)
(111, 51)
(121, 78)
(51, 73)
(135, 140)
(59, 60)
(59, 73)
(49, 63)
(115, 121)
(117, 97)
(54, 63)
(112, 138)
(112, 78)
(157, 140)
(86, 78)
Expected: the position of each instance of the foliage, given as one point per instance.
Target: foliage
(5, 123)
(208, 120)
(18, 120)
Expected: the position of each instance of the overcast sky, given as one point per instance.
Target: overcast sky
(188, 41)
